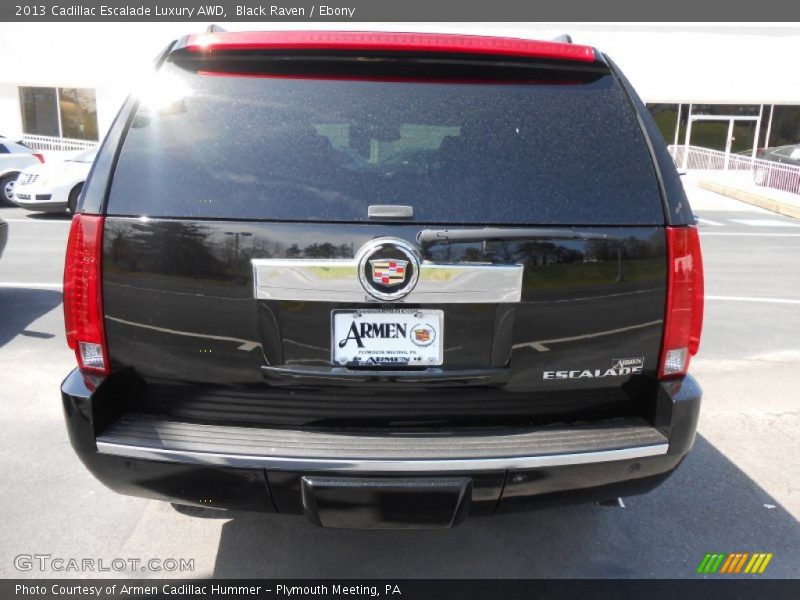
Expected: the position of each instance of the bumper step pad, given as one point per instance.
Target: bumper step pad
(148, 437)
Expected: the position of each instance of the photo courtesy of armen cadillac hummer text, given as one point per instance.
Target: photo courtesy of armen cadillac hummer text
(409, 279)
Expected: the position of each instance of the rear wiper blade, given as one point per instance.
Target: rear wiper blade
(429, 237)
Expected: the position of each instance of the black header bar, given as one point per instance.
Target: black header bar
(398, 11)
(400, 589)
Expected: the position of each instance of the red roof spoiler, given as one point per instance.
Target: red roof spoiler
(388, 41)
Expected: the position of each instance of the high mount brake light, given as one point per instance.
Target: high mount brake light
(683, 321)
(83, 294)
(389, 42)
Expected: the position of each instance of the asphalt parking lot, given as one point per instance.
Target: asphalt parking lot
(739, 490)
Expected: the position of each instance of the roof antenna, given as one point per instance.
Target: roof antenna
(214, 28)
(564, 38)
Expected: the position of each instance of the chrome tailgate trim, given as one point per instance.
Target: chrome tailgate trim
(336, 280)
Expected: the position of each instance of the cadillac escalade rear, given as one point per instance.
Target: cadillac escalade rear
(385, 280)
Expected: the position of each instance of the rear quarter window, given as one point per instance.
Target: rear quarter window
(285, 148)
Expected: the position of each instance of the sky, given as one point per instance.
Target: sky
(710, 63)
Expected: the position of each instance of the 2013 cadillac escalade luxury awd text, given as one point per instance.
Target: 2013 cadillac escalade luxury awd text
(384, 280)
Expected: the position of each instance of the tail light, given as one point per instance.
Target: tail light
(39, 156)
(683, 321)
(83, 294)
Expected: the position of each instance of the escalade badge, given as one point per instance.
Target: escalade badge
(388, 268)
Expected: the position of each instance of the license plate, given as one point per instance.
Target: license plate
(387, 338)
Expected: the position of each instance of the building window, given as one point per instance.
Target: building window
(39, 114)
(727, 110)
(59, 112)
(666, 117)
(78, 113)
(754, 125)
(763, 130)
(785, 128)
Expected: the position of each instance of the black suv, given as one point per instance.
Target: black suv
(382, 279)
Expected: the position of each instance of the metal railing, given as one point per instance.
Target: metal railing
(45, 143)
(737, 169)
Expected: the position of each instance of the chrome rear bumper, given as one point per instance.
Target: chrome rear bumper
(150, 438)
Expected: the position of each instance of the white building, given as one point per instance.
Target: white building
(724, 86)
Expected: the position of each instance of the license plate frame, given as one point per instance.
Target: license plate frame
(392, 347)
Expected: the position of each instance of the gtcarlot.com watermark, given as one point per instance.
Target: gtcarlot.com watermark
(48, 562)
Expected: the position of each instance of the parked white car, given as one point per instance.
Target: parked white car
(54, 187)
(14, 158)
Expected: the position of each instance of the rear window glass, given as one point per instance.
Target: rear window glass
(293, 148)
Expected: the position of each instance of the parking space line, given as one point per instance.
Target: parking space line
(542, 345)
(765, 223)
(707, 233)
(755, 299)
(245, 345)
(32, 285)
(705, 221)
(65, 222)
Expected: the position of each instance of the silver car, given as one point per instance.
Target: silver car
(55, 186)
(14, 158)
